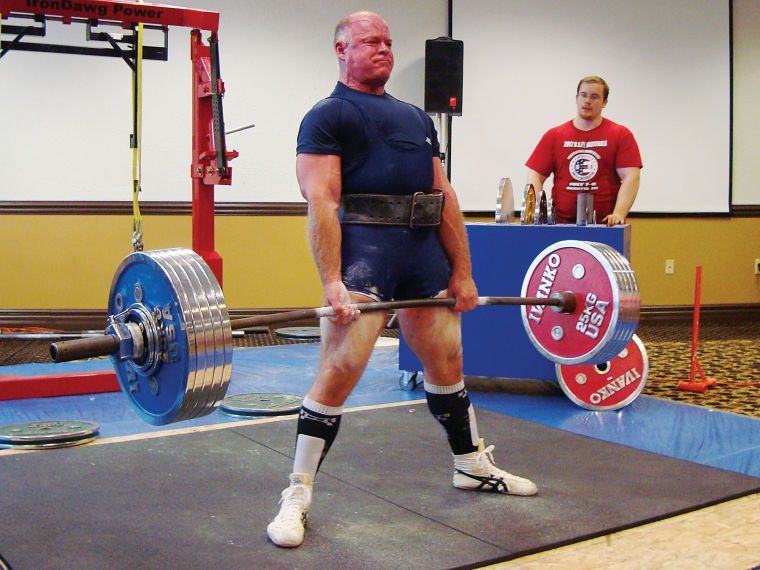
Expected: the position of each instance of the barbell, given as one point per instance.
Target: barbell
(169, 334)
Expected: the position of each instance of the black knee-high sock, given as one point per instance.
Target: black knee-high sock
(451, 407)
(317, 428)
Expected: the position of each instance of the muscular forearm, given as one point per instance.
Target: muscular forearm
(454, 238)
(325, 239)
(319, 181)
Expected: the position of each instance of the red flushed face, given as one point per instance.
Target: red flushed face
(368, 56)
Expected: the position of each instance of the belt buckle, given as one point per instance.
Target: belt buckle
(414, 204)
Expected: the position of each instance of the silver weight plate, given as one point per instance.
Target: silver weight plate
(299, 333)
(196, 349)
(261, 404)
(48, 434)
(194, 404)
(213, 333)
(505, 202)
(630, 301)
(218, 332)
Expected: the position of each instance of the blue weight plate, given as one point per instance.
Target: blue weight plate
(156, 391)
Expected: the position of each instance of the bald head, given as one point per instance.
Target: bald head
(343, 29)
(363, 47)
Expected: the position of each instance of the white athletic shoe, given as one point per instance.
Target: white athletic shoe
(287, 528)
(475, 471)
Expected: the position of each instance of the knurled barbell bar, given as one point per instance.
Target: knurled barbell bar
(127, 339)
(169, 334)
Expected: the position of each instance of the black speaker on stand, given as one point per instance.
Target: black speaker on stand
(444, 60)
(443, 76)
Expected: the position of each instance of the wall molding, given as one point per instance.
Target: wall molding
(124, 208)
(35, 208)
(95, 319)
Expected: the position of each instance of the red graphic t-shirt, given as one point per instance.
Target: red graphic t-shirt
(585, 161)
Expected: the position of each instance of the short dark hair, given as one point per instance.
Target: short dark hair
(594, 79)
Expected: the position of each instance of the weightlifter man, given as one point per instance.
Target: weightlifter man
(383, 223)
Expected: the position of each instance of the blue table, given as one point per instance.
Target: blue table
(493, 338)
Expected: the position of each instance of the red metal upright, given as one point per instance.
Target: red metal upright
(209, 154)
(206, 171)
(693, 385)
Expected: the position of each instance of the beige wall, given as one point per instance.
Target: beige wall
(725, 248)
(68, 262)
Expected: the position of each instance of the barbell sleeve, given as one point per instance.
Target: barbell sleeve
(78, 349)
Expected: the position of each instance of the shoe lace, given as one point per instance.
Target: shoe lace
(484, 459)
(293, 500)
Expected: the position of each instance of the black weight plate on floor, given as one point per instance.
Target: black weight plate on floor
(261, 404)
(48, 434)
(301, 333)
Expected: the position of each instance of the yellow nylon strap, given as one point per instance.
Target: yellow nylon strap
(137, 221)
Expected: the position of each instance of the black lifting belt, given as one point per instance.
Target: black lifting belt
(416, 210)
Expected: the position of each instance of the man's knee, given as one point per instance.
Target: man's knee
(342, 372)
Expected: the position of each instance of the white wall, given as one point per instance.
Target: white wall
(667, 64)
(66, 119)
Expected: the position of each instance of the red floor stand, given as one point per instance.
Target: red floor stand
(692, 385)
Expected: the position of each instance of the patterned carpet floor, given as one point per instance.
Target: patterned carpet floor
(728, 352)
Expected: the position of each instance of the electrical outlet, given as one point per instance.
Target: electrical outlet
(757, 267)
(670, 266)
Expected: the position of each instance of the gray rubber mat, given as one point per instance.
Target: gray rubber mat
(383, 498)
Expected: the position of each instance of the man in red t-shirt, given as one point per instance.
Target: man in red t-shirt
(589, 154)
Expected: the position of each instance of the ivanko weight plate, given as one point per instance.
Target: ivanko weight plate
(607, 310)
(48, 434)
(609, 385)
(261, 404)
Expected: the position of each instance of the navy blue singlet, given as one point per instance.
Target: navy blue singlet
(386, 147)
